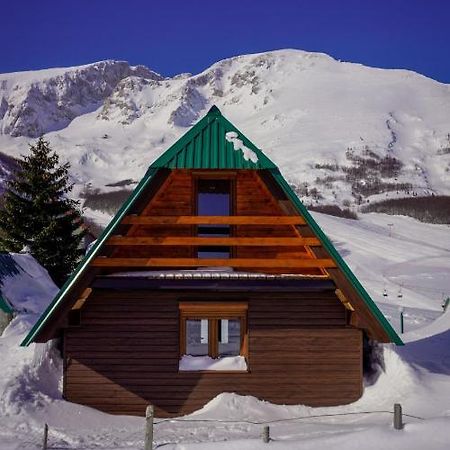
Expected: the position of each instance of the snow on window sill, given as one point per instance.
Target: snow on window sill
(190, 363)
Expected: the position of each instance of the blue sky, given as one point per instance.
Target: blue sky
(187, 36)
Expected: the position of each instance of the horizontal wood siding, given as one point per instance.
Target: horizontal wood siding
(173, 199)
(125, 353)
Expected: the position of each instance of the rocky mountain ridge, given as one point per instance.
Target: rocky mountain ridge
(49, 100)
(342, 133)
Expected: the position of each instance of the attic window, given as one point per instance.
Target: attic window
(213, 336)
(213, 199)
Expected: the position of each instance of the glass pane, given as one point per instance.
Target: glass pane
(213, 199)
(213, 204)
(197, 337)
(229, 337)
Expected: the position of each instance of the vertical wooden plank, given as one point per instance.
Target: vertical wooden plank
(213, 338)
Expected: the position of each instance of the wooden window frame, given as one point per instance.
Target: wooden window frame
(213, 312)
(231, 177)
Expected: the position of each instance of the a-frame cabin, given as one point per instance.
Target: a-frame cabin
(212, 277)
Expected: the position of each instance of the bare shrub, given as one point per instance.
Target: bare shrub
(431, 209)
(108, 202)
(334, 210)
(327, 166)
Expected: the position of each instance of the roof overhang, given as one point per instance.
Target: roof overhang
(212, 283)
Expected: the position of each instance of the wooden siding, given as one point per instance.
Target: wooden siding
(176, 197)
(125, 353)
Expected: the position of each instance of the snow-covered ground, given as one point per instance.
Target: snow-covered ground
(415, 256)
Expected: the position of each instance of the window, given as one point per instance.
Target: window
(215, 331)
(213, 199)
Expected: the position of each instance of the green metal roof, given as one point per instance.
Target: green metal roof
(205, 146)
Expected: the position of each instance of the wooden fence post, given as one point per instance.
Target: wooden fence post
(266, 434)
(149, 414)
(45, 440)
(398, 422)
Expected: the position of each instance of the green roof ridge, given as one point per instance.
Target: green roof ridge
(214, 111)
(187, 153)
(4, 305)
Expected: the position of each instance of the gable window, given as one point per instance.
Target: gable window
(213, 336)
(214, 199)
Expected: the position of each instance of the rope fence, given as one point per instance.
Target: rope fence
(289, 419)
(150, 423)
(265, 435)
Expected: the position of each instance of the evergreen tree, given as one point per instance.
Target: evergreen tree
(38, 215)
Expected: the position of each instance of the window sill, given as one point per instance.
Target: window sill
(230, 364)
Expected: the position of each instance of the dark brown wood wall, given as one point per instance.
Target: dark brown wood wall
(125, 353)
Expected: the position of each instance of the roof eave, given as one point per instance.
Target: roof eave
(38, 326)
(341, 264)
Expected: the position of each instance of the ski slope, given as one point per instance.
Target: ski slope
(396, 256)
(415, 255)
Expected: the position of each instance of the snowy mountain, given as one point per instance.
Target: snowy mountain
(341, 132)
(34, 103)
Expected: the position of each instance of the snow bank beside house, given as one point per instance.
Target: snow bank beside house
(30, 289)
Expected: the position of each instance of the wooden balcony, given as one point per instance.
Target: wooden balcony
(309, 263)
(295, 260)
